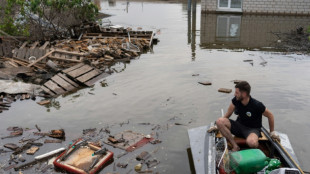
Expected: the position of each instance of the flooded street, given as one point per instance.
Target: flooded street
(159, 85)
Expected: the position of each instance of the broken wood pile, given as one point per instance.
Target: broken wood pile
(61, 66)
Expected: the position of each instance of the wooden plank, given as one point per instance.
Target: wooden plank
(32, 150)
(23, 45)
(69, 52)
(31, 53)
(64, 59)
(1, 50)
(40, 52)
(36, 53)
(54, 87)
(73, 68)
(225, 90)
(28, 54)
(41, 58)
(45, 89)
(82, 70)
(62, 83)
(34, 45)
(15, 52)
(22, 53)
(92, 81)
(88, 75)
(68, 80)
(44, 45)
(8, 50)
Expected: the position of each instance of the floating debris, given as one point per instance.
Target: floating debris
(32, 150)
(205, 83)
(11, 146)
(237, 81)
(152, 163)
(225, 90)
(143, 156)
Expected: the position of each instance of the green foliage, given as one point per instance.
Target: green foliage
(17, 13)
(9, 24)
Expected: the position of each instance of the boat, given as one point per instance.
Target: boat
(208, 152)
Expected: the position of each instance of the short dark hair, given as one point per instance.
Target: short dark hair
(244, 86)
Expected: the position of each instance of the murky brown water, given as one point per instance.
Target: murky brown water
(160, 85)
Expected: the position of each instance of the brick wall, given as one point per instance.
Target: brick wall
(255, 30)
(208, 5)
(301, 7)
(277, 6)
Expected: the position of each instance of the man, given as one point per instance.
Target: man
(249, 121)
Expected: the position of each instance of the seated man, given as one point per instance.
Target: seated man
(249, 119)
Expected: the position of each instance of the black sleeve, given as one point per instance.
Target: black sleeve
(261, 107)
(234, 101)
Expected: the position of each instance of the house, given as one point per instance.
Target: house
(283, 7)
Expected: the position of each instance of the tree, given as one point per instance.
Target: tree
(41, 19)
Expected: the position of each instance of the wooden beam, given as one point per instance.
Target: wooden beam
(45, 45)
(34, 45)
(64, 59)
(41, 58)
(69, 52)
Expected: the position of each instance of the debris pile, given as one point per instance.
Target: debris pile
(294, 41)
(61, 66)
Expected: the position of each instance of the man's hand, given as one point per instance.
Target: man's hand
(275, 137)
(212, 129)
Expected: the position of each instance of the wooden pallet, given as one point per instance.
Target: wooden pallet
(85, 74)
(66, 56)
(59, 84)
(69, 79)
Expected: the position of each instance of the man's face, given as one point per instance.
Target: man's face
(239, 94)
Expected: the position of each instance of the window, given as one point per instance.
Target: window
(228, 28)
(229, 4)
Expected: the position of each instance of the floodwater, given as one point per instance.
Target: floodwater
(159, 85)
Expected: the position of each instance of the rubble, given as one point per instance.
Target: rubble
(60, 66)
(127, 141)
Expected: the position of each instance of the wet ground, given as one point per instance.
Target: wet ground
(159, 85)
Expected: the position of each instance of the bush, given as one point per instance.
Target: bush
(45, 18)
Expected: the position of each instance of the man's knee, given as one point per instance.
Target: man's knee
(221, 122)
(252, 142)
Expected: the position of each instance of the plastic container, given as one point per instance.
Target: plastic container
(248, 161)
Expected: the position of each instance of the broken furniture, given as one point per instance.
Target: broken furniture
(83, 157)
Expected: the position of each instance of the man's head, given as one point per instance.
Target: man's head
(242, 90)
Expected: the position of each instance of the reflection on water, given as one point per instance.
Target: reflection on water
(245, 31)
(191, 25)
